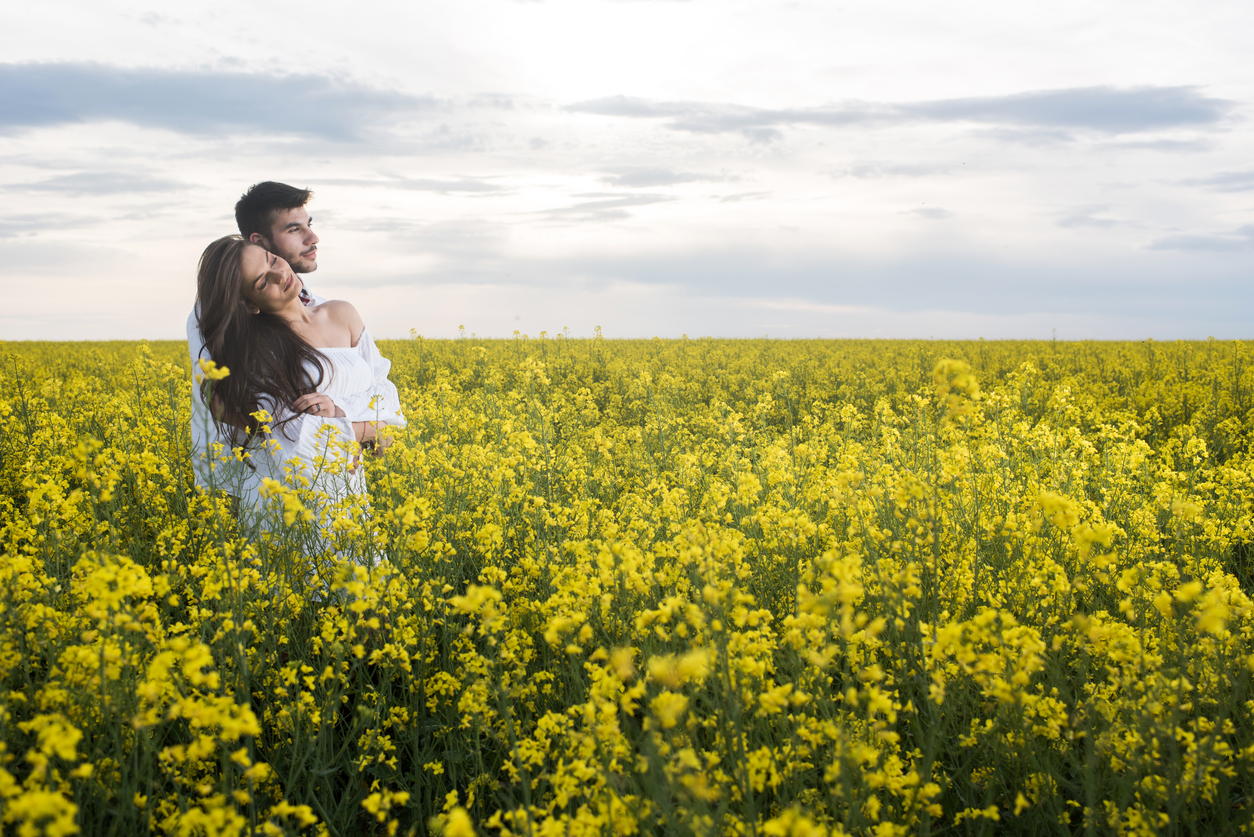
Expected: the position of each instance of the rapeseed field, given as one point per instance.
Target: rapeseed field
(645, 587)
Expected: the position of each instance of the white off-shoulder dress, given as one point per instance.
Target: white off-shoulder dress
(317, 452)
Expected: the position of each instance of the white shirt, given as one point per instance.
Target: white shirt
(212, 460)
(319, 451)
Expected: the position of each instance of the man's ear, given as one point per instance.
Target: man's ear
(258, 238)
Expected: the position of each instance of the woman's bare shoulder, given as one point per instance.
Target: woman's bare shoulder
(343, 313)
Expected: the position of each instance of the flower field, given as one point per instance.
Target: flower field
(701, 587)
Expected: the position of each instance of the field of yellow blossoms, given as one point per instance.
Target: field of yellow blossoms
(705, 587)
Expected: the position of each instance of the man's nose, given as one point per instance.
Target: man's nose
(312, 238)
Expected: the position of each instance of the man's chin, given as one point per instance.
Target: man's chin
(305, 267)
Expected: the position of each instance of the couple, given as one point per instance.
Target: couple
(306, 391)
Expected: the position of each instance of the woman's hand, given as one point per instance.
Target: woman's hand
(317, 404)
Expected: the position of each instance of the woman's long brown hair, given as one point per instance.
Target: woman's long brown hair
(267, 358)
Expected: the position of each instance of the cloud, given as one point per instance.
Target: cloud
(932, 213)
(203, 102)
(608, 208)
(636, 178)
(1034, 137)
(29, 225)
(464, 243)
(875, 169)
(1239, 239)
(102, 183)
(467, 238)
(1088, 219)
(36, 256)
(1225, 181)
(1174, 146)
(744, 196)
(469, 185)
(1106, 110)
(1103, 110)
(757, 124)
(1217, 290)
(155, 20)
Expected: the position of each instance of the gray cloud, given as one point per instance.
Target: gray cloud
(759, 125)
(468, 250)
(875, 169)
(35, 256)
(1088, 219)
(155, 20)
(1173, 146)
(1219, 290)
(932, 213)
(607, 208)
(1048, 114)
(102, 183)
(465, 185)
(1226, 181)
(461, 242)
(644, 177)
(492, 101)
(1241, 238)
(445, 187)
(743, 196)
(196, 101)
(1035, 137)
(26, 225)
(1106, 110)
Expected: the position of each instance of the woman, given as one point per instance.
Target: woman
(307, 388)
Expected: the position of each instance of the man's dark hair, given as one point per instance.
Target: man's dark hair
(254, 212)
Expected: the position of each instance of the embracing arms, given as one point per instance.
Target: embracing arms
(366, 407)
(322, 406)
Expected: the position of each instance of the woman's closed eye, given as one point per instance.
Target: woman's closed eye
(261, 280)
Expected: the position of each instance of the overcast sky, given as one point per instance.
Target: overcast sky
(653, 167)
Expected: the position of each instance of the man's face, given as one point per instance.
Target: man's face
(292, 239)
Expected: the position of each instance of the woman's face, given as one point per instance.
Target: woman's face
(269, 284)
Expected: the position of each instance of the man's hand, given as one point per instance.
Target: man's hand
(367, 433)
(317, 404)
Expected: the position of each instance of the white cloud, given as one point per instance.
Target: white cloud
(102, 183)
(715, 167)
(1240, 239)
(1038, 114)
(932, 213)
(197, 101)
(1227, 181)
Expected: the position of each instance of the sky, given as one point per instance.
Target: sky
(726, 168)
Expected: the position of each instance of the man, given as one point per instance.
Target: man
(271, 215)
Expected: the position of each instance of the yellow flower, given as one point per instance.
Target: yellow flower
(212, 371)
(668, 707)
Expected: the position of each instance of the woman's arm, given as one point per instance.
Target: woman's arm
(322, 406)
(378, 403)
